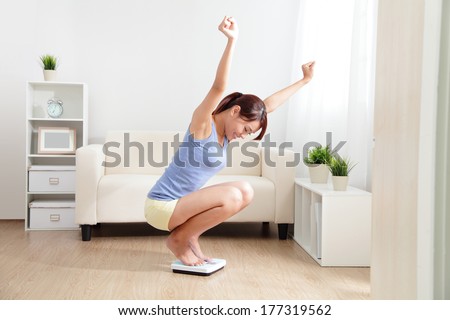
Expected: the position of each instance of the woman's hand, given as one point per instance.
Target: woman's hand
(229, 28)
(308, 70)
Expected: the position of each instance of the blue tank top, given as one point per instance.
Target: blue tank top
(194, 163)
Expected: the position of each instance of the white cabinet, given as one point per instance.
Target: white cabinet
(50, 153)
(333, 227)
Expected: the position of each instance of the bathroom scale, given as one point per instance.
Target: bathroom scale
(206, 269)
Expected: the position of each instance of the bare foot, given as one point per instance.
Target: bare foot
(195, 246)
(183, 251)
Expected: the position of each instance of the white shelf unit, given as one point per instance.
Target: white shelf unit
(59, 204)
(333, 227)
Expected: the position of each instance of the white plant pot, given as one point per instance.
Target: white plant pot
(340, 183)
(318, 173)
(50, 75)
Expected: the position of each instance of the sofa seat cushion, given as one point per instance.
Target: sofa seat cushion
(121, 197)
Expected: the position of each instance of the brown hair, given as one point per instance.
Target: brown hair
(252, 108)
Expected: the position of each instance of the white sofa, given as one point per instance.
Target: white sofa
(113, 179)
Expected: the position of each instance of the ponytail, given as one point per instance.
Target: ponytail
(252, 108)
(227, 102)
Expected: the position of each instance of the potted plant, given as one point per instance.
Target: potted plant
(317, 160)
(49, 64)
(340, 168)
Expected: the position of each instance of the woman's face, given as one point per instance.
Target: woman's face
(236, 127)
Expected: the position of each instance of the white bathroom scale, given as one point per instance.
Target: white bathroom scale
(206, 269)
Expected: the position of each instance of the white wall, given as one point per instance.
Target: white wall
(148, 64)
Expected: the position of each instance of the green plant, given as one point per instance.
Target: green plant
(318, 155)
(49, 62)
(340, 167)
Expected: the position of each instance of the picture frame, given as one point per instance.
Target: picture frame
(56, 140)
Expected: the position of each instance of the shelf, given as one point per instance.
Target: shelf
(51, 168)
(55, 229)
(50, 196)
(53, 192)
(51, 155)
(55, 83)
(333, 227)
(53, 119)
(327, 188)
(75, 104)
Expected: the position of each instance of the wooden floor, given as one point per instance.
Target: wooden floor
(130, 261)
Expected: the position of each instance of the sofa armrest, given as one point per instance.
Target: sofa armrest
(280, 170)
(89, 171)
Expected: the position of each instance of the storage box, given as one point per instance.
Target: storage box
(51, 179)
(52, 214)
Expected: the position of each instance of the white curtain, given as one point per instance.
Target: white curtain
(340, 37)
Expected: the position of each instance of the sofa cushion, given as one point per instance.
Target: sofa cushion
(121, 197)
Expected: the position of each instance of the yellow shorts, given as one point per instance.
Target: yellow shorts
(158, 212)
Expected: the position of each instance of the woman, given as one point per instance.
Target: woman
(176, 203)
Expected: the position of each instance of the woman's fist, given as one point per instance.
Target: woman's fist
(229, 27)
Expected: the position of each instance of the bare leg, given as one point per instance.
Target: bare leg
(200, 211)
(247, 195)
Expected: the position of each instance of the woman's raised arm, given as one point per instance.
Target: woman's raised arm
(278, 98)
(202, 114)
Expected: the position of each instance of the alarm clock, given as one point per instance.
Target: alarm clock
(54, 108)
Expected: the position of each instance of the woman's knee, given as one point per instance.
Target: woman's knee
(233, 199)
(241, 194)
(247, 192)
